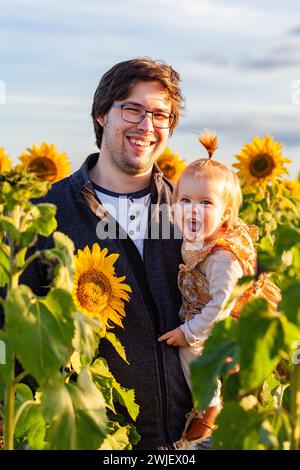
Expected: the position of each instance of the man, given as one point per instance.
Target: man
(136, 107)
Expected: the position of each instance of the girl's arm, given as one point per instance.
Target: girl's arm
(222, 270)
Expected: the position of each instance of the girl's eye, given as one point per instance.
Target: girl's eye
(185, 200)
(205, 203)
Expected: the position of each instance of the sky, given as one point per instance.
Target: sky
(239, 63)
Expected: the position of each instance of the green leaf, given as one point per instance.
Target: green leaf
(6, 362)
(8, 226)
(291, 335)
(23, 393)
(267, 390)
(238, 429)
(31, 425)
(211, 364)
(20, 257)
(230, 387)
(86, 337)
(46, 222)
(266, 245)
(103, 378)
(75, 414)
(4, 265)
(260, 338)
(37, 433)
(44, 324)
(296, 258)
(290, 303)
(61, 261)
(112, 338)
(286, 238)
(118, 439)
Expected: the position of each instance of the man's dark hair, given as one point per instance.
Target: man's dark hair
(116, 84)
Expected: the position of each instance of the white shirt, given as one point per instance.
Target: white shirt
(129, 210)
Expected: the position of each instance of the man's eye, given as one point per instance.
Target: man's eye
(161, 116)
(132, 110)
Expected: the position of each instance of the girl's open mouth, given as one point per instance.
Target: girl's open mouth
(193, 225)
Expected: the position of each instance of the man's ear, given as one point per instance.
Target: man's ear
(101, 119)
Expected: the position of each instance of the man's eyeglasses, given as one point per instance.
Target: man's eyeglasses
(135, 114)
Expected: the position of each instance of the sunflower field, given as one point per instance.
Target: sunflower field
(55, 392)
(58, 394)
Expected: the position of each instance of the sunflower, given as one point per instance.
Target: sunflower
(46, 162)
(293, 187)
(170, 164)
(97, 292)
(5, 162)
(260, 163)
(290, 188)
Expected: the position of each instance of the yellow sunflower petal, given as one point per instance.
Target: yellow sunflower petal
(97, 292)
(5, 161)
(260, 163)
(171, 165)
(46, 162)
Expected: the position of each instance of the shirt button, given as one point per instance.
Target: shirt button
(131, 232)
(132, 217)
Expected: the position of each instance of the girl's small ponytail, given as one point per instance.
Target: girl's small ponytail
(209, 140)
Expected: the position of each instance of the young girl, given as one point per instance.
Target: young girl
(217, 251)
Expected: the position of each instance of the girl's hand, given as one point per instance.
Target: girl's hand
(175, 338)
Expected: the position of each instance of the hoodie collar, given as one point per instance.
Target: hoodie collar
(83, 182)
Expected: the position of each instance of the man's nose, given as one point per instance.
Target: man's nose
(147, 123)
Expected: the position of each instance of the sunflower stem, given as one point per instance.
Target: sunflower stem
(295, 389)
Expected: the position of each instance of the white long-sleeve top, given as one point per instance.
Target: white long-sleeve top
(222, 271)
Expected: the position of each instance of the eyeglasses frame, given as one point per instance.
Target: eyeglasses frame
(145, 111)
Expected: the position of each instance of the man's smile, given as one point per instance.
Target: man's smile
(139, 143)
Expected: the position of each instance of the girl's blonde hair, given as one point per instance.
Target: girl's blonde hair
(231, 194)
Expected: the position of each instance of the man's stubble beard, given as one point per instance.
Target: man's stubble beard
(126, 164)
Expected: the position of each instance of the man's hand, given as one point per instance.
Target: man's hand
(175, 338)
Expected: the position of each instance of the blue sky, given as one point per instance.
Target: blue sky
(238, 61)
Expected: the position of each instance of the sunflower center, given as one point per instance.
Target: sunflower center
(94, 291)
(44, 168)
(262, 165)
(169, 170)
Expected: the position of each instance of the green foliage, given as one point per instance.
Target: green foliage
(260, 338)
(242, 428)
(70, 395)
(45, 324)
(75, 413)
(261, 402)
(112, 389)
(211, 364)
